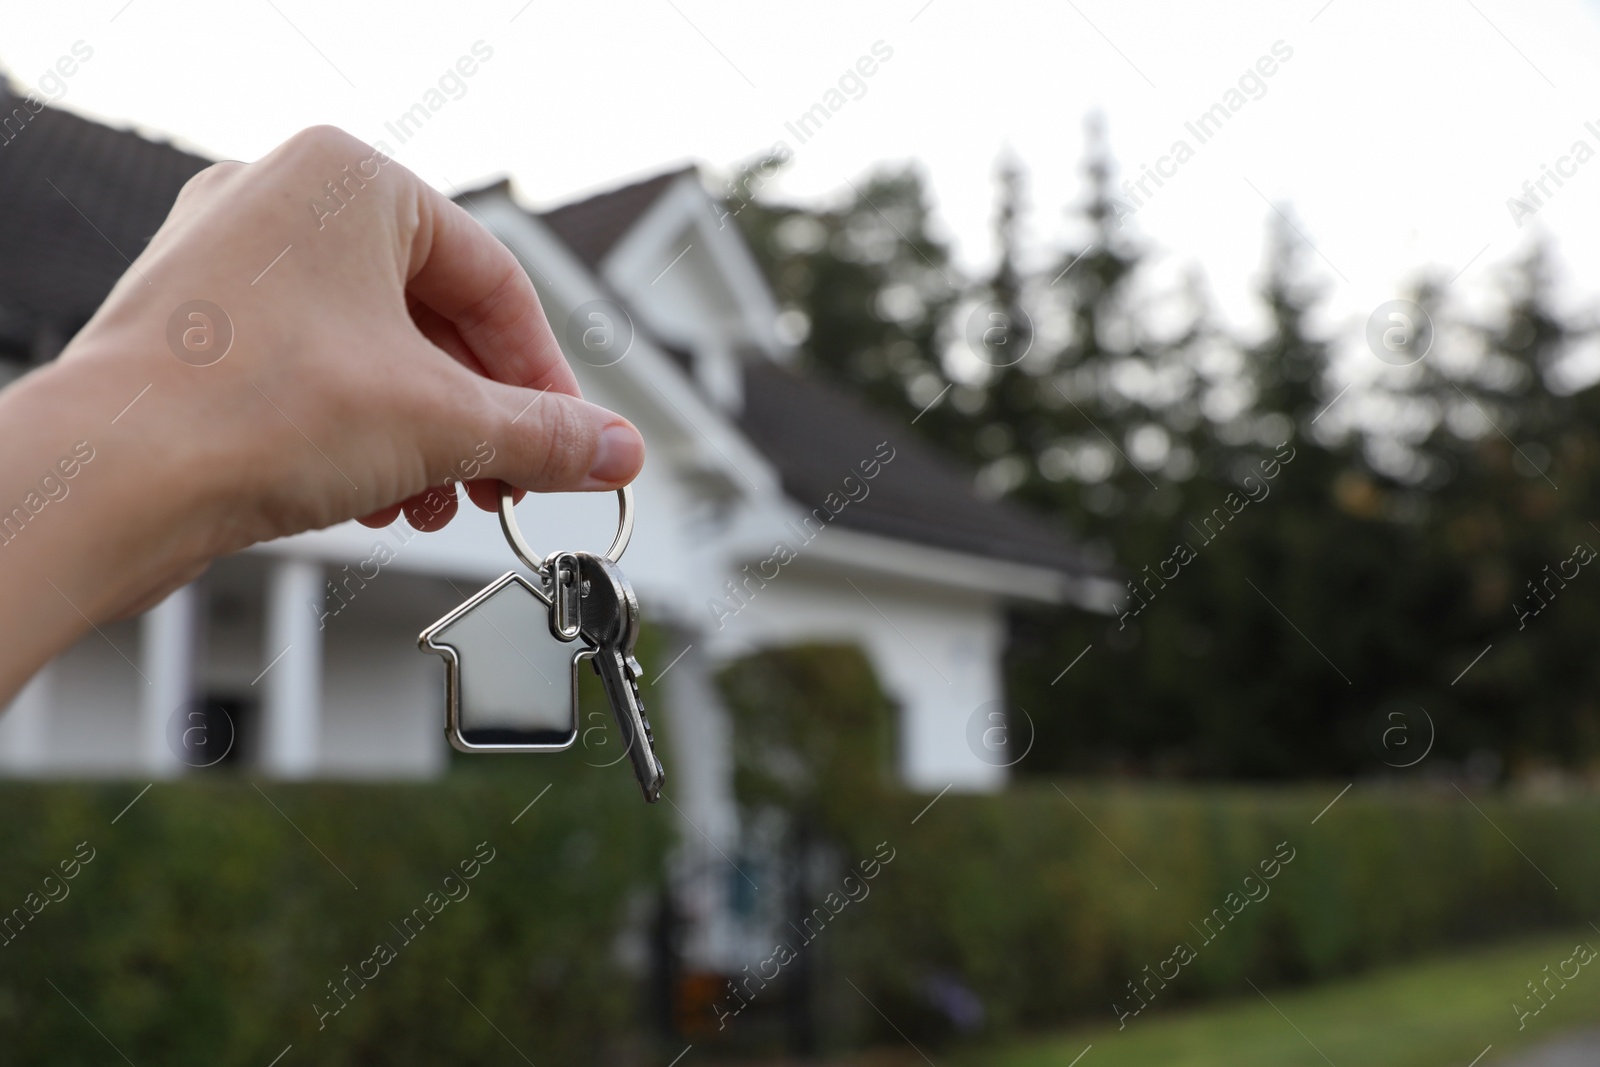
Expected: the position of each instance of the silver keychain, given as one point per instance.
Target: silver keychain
(511, 672)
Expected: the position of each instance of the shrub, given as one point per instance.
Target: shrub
(212, 918)
(1031, 900)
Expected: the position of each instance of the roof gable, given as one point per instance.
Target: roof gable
(665, 246)
(592, 227)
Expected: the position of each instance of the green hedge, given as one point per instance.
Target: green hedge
(1026, 901)
(206, 927)
(1023, 901)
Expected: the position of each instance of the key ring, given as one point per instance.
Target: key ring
(525, 552)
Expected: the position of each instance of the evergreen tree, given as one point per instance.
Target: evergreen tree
(865, 288)
(1291, 586)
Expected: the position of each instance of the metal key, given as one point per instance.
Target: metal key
(608, 614)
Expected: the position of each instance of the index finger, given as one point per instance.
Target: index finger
(462, 271)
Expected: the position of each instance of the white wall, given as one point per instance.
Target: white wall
(25, 725)
(383, 706)
(383, 711)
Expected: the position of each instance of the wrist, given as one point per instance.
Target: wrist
(115, 504)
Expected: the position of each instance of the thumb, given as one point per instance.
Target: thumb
(549, 442)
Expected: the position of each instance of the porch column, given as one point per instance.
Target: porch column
(700, 783)
(292, 725)
(23, 726)
(168, 634)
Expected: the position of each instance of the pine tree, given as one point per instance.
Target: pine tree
(1299, 560)
(867, 285)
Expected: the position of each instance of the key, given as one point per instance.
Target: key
(608, 614)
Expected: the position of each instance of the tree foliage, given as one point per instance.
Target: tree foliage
(1312, 573)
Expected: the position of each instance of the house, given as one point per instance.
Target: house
(773, 509)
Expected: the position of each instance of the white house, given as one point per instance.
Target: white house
(309, 643)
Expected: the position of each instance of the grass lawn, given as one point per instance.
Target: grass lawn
(1439, 1013)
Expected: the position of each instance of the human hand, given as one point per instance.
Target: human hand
(369, 363)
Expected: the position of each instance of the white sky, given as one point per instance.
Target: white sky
(1395, 133)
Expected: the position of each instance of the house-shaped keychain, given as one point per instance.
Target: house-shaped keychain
(510, 684)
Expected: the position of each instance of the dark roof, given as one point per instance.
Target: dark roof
(817, 435)
(78, 201)
(593, 226)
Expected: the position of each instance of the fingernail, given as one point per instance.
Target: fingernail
(618, 455)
